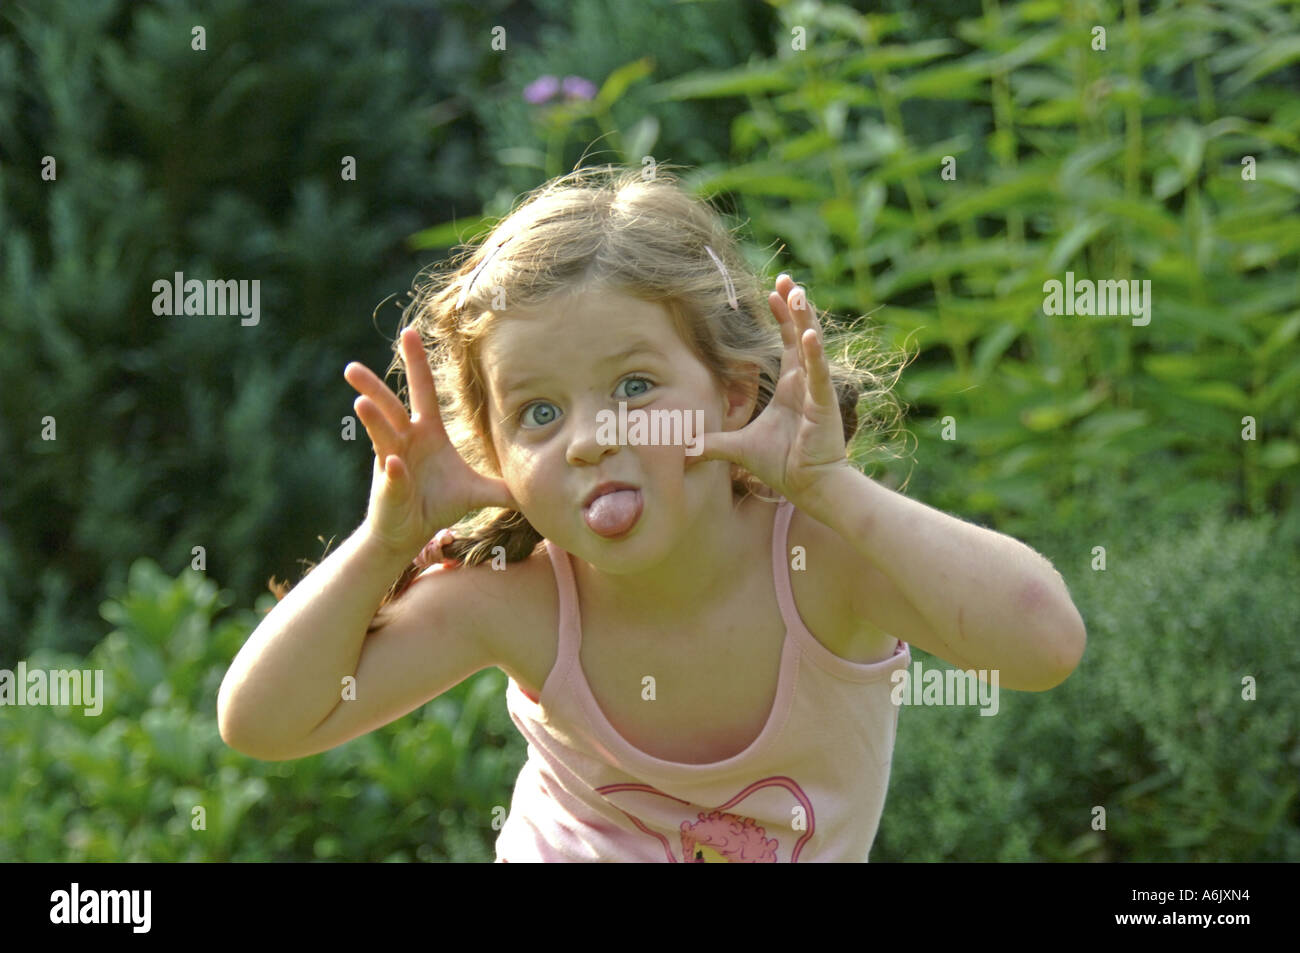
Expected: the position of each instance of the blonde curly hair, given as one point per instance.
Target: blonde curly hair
(649, 238)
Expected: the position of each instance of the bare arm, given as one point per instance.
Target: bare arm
(976, 598)
(988, 601)
(288, 676)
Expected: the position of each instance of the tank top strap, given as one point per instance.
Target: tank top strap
(781, 565)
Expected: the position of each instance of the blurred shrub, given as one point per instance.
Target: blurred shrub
(1152, 726)
(621, 49)
(124, 785)
(1125, 163)
(1069, 432)
(224, 163)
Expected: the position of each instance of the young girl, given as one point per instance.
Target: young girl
(700, 603)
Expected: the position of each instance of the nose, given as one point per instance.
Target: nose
(588, 427)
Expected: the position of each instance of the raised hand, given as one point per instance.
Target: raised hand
(420, 484)
(798, 439)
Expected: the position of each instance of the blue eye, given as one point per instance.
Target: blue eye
(523, 415)
(643, 380)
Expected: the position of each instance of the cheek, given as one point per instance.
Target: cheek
(669, 466)
(525, 473)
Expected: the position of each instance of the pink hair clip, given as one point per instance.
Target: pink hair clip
(432, 552)
(731, 289)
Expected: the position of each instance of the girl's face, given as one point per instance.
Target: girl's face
(550, 373)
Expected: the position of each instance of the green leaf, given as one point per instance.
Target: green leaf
(963, 80)
(1175, 366)
(998, 197)
(755, 178)
(922, 161)
(1073, 240)
(1206, 320)
(1279, 453)
(1148, 217)
(1272, 57)
(1187, 145)
(841, 217)
(870, 201)
(1052, 112)
(814, 142)
(641, 138)
(711, 84)
(1277, 172)
(525, 156)
(1084, 159)
(1108, 424)
(618, 81)
(449, 234)
(1285, 384)
(920, 267)
(1026, 50)
(992, 346)
(1168, 181)
(1282, 335)
(1221, 393)
(1051, 416)
(894, 56)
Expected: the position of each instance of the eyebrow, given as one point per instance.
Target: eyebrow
(623, 355)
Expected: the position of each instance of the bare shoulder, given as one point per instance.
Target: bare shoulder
(852, 608)
(519, 619)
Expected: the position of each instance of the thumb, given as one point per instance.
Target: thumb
(722, 445)
(495, 492)
(395, 473)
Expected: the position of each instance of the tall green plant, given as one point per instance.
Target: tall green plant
(1113, 164)
(127, 154)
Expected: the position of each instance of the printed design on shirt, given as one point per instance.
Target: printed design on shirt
(721, 835)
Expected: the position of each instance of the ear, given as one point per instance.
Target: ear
(741, 397)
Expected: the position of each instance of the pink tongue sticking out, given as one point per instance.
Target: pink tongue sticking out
(614, 513)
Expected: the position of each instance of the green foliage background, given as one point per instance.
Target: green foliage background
(1071, 433)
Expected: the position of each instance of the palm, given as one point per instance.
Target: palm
(420, 483)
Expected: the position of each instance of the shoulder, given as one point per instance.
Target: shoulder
(519, 612)
(844, 601)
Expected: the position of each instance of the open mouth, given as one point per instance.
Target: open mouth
(613, 509)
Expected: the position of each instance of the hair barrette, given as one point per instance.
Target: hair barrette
(731, 289)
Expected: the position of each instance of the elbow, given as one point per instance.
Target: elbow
(1068, 643)
(230, 734)
(1072, 637)
(225, 721)
(223, 716)
(240, 745)
(242, 741)
(1063, 637)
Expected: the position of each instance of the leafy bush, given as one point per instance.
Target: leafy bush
(1152, 726)
(125, 785)
(179, 431)
(1125, 163)
(1070, 433)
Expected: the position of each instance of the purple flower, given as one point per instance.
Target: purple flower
(541, 89)
(575, 87)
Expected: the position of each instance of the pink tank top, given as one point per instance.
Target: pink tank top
(810, 788)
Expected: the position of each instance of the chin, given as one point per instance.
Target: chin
(640, 550)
